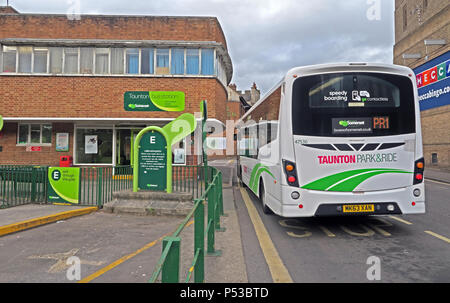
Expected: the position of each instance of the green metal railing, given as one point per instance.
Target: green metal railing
(189, 179)
(168, 265)
(20, 184)
(97, 184)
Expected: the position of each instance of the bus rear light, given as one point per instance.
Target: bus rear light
(300, 206)
(413, 204)
(291, 173)
(419, 167)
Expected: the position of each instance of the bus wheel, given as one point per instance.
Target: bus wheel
(262, 198)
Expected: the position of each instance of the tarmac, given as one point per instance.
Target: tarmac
(229, 267)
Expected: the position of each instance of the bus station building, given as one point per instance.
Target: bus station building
(63, 81)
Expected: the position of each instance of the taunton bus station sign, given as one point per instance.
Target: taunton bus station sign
(433, 82)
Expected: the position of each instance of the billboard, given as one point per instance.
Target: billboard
(433, 82)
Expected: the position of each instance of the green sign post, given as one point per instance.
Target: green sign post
(1, 122)
(154, 101)
(152, 168)
(64, 184)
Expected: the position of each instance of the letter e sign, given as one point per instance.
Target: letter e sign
(152, 140)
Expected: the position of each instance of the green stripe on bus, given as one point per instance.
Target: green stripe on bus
(327, 183)
(353, 182)
(256, 173)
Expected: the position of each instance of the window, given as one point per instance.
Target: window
(162, 61)
(34, 134)
(192, 61)
(434, 158)
(71, 60)
(102, 61)
(351, 104)
(177, 62)
(117, 61)
(147, 61)
(25, 54)
(86, 60)
(56, 57)
(40, 60)
(207, 61)
(94, 146)
(9, 59)
(132, 61)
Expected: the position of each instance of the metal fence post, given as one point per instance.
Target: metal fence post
(212, 204)
(33, 184)
(171, 267)
(99, 187)
(199, 242)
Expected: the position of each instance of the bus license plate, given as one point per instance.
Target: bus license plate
(359, 208)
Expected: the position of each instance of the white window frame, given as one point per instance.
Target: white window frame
(64, 61)
(28, 143)
(40, 49)
(109, 60)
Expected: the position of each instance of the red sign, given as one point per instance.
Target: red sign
(33, 148)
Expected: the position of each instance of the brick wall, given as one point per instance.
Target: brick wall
(434, 24)
(111, 27)
(101, 97)
(436, 135)
(17, 155)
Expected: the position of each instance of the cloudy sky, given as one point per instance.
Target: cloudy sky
(268, 37)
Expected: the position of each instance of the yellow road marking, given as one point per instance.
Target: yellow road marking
(438, 236)
(123, 259)
(401, 220)
(327, 231)
(369, 232)
(277, 269)
(381, 231)
(19, 226)
(295, 235)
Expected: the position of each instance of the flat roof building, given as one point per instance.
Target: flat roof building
(63, 81)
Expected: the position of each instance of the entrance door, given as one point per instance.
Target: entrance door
(123, 147)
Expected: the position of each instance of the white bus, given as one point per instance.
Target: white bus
(336, 139)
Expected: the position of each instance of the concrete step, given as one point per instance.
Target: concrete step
(145, 203)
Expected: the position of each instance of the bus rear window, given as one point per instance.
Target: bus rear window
(353, 104)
